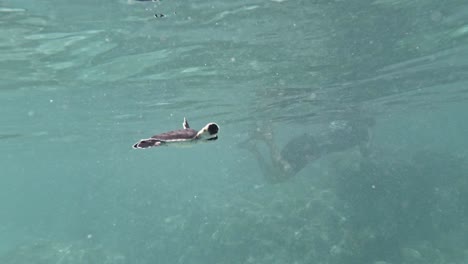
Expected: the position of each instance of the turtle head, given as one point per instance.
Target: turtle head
(209, 132)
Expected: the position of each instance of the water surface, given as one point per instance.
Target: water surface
(82, 81)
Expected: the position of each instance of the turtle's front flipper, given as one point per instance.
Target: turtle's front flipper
(185, 124)
(148, 143)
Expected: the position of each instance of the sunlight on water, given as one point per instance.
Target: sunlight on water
(342, 132)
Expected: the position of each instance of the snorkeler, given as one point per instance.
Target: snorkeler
(304, 149)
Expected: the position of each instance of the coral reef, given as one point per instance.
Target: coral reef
(400, 210)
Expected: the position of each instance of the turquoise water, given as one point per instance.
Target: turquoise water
(82, 81)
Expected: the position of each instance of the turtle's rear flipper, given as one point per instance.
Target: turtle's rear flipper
(148, 143)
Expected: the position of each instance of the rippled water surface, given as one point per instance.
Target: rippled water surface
(82, 81)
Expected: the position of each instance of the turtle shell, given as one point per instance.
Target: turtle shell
(176, 135)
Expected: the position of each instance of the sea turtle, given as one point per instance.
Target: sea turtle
(185, 135)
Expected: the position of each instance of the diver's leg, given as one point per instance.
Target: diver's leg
(278, 169)
(268, 172)
(265, 168)
(264, 132)
(282, 170)
(365, 147)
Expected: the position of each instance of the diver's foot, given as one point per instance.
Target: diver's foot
(261, 134)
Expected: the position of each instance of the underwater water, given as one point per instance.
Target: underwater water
(81, 82)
